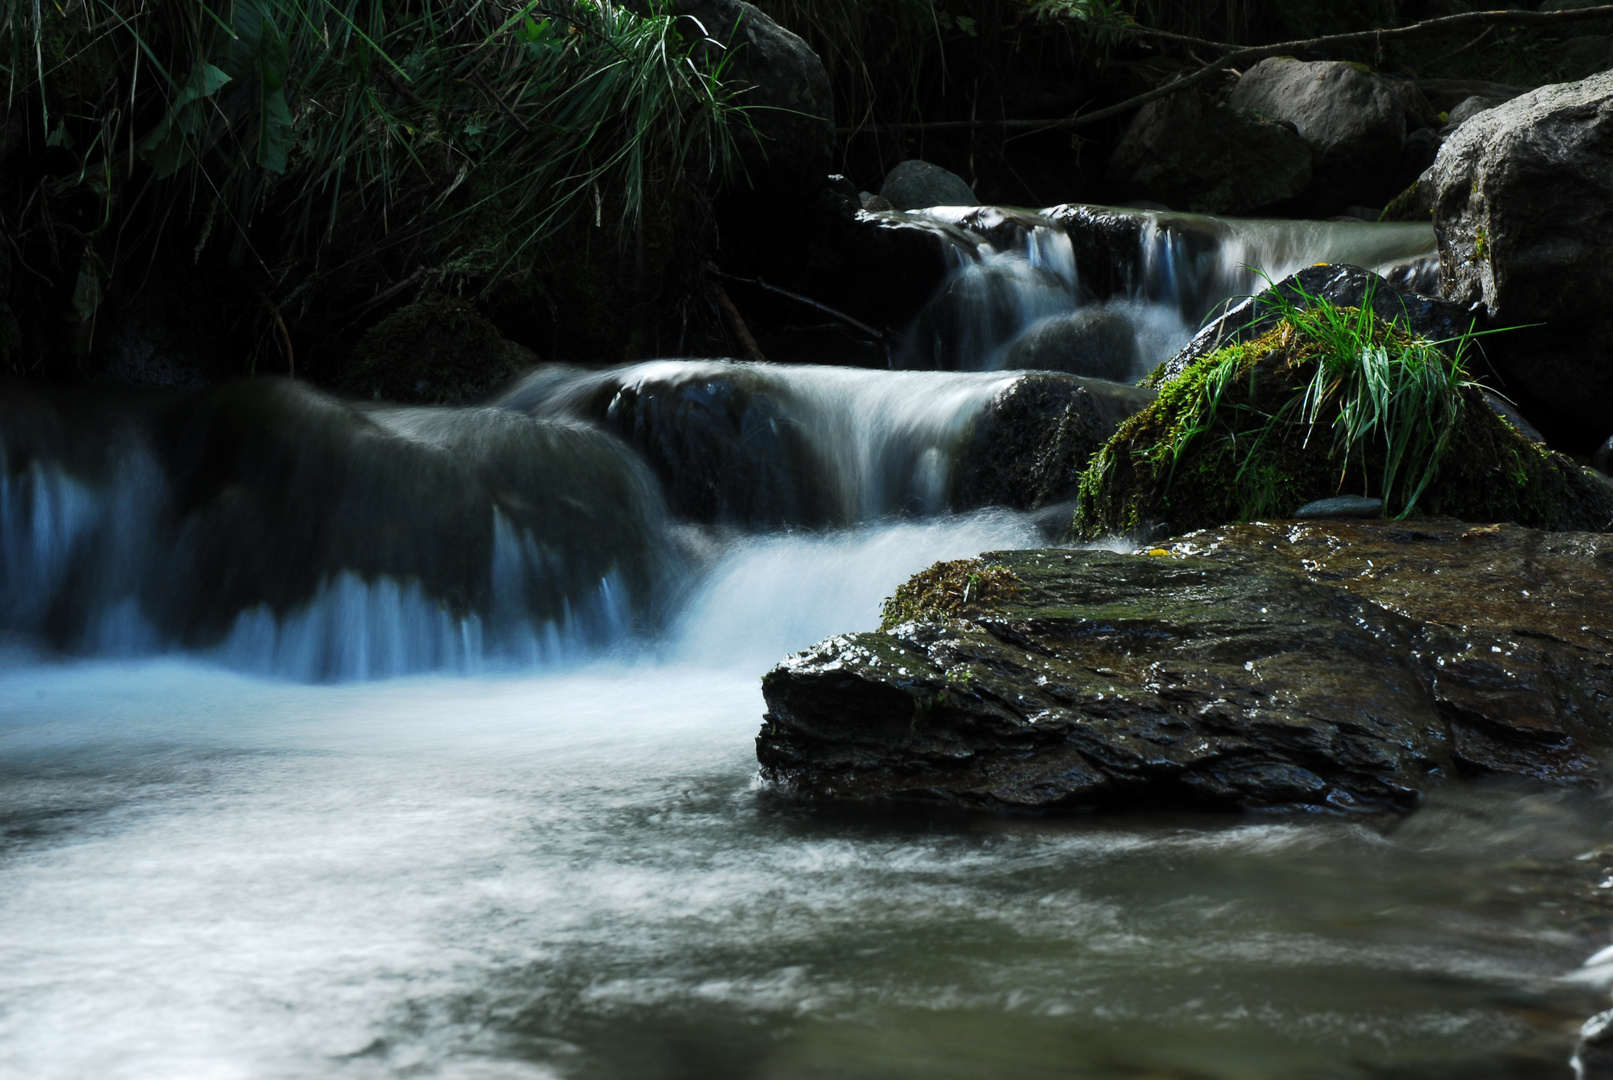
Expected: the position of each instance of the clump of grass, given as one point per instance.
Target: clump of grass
(947, 589)
(355, 142)
(1330, 400)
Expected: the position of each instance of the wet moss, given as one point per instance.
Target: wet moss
(438, 350)
(1407, 206)
(948, 589)
(1169, 469)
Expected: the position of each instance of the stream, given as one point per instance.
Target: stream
(354, 740)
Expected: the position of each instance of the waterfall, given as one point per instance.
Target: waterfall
(1111, 293)
(280, 530)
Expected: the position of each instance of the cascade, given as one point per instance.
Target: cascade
(280, 530)
(1111, 293)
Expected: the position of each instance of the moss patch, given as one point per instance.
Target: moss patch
(948, 589)
(1407, 206)
(438, 350)
(1224, 442)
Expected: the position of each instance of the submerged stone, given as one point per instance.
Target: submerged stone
(1340, 667)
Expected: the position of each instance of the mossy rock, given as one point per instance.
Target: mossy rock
(948, 589)
(1178, 466)
(436, 351)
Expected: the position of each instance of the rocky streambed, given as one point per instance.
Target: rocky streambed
(1342, 666)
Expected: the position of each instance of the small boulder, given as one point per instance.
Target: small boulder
(1444, 95)
(1354, 121)
(1523, 212)
(1212, 159)
(1468, 108)
(436, 351)
(1094, 341)
(916, 185)
(782, 81)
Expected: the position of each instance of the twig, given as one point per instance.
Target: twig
(840, 316)
(285, 335)
(735, 323)
(381, 298)
(490, 92)
(1330, 41)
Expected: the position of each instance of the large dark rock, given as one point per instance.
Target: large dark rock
(1097, 342)
(915, 185)
(1342, 285)
(1193, 154)
(782, 81)
(1354, 121)
(1030, 449)
(1341, 667)
(1523, 209)
(1107, 242)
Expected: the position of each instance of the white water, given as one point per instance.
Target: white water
(549, 856)
(574, 874)
(1183, 268)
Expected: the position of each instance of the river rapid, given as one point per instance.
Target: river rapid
(304, 775)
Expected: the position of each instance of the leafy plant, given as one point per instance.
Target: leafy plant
(373, 135)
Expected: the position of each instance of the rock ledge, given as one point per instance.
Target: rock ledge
(1344, 667)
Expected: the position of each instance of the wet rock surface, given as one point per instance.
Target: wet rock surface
(1331, 666)
(1098, 342)
(1029, 451)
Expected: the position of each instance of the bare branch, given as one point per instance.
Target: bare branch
(1334, 41)
(1237, 57)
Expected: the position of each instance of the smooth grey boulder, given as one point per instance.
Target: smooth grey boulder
(1354, 121)
(1523, 212)
(1093, 341)
(915, 185)
(1468, 108)
(1443, 95)
(782, 81)
(1196, 155)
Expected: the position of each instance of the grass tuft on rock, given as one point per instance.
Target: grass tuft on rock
(1330, 401)
(947, 589)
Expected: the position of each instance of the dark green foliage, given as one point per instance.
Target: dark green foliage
(435, 351)
(321, 151)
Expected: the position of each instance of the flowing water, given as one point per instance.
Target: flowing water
(353, 740)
